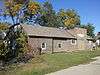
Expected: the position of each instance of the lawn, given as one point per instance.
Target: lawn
(47, 63)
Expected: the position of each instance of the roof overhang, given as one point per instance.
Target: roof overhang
(50, 37)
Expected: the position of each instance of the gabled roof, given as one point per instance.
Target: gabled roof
(75, 30)
(46, 31)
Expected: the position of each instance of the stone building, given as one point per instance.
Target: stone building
(84, 42)
(50, 39)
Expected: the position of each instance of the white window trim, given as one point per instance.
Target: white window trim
(90, 42)
(60, 45)
(98, 42)
(45, 45)
(73, 43)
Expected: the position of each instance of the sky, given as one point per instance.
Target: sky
(89, 10)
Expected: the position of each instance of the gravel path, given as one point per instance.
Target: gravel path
(88, 69)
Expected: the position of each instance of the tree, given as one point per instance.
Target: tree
(90, 29)
(12, 9)
(15, 43)
(48, 16)
(69, 18)
(20, 10)
(31, 12)
(3, 26)
(3, 46)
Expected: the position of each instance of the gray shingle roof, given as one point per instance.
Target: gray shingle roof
(73, 32)
(46, 31)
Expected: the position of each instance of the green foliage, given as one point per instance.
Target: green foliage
(69, 18)
(3, 26)
(22, 42)
(14, 44)
(3, 45)
(19, 10)
(12, 10)
(30, 12)
(3, 49)
(90, 29)
(48, 16)
(43, 14)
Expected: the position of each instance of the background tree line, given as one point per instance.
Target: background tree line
(32, 12)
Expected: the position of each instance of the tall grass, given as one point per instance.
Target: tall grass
(47, 63)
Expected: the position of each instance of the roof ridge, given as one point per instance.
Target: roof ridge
(47, 31)
(41, 26)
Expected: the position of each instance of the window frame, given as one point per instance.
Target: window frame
(45, 46)
(59, 45)
(73, 43)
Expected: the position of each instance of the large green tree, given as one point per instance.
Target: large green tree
(90, 29)
(48, 16)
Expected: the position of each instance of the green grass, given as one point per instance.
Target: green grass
(47, 63)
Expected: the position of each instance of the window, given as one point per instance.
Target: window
(43, 45)
(59, 45)
(73, 41)
(90, 42)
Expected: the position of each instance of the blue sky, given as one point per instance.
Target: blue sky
(89, 10)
